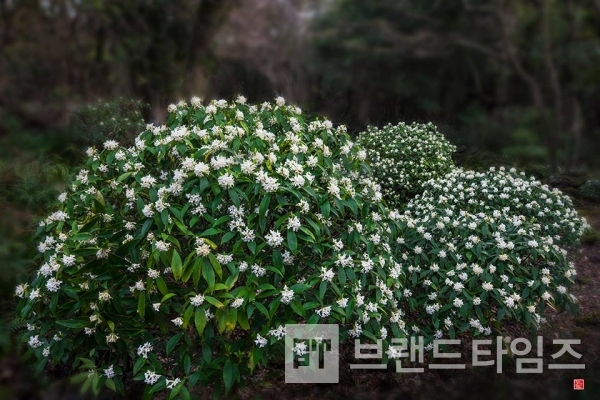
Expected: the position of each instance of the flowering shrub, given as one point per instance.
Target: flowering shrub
(403, 157)
(477, 247)
(179, 260)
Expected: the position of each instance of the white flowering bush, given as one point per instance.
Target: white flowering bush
(480, 247)
(403, 157)
(179, 260)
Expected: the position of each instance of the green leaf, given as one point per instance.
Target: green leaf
(322, 290)
(274, 306)
(243, 321)
(228, 236)
(299, 287)
(263, 310)
(501, 313)
(232, 316)
(216, 265)
(142, 304)
(176, 265)
(162, 286)
(264, 205)
(313, 319)
(187, 364)
(210, 232)
(200, 320)
(292, 241)
(277, 258)
(228, 375)
(173, 342)
(214, 301)
(297, 308)
(139, 363)
(234, 197)
(221, 220)
(209, 274)
(190, 269)
(342, 275)
(326, 209)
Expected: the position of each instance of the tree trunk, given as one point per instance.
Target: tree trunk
(210, 15)
(575, 131)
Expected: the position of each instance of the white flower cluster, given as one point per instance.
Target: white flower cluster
(490, 244)
(403, 157)
(228, 212)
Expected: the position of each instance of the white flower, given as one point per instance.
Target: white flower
(226, 181)
(112, 337)
(457, 302)
(487, 286)
(53, 285)
(21, 289)
(109, 372)
(327, 274)
(172, 383)
(162, 246)
(270, 184)
(104, 296)
(300, 349)
(177, 321)
(546, 296)
(111, 145)
(342, 302)
(279, 333)
(148, 181)
(144, 349)
(294, 223)
(35, 342)
(201, 169)
(324, 312)
(152, 273)
(274, 238)
(286, 295)
(197, 300)
(258, 270)
(260, 341)
(147, 210)
(237, 303)
(196, 102)
(35, 293)
(150, 377)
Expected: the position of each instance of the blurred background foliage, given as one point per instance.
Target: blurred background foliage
(508, 81)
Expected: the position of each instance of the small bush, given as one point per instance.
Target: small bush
(119, 119)
(591, 190)
(479, 247)
(403, 157)
(179, 260)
